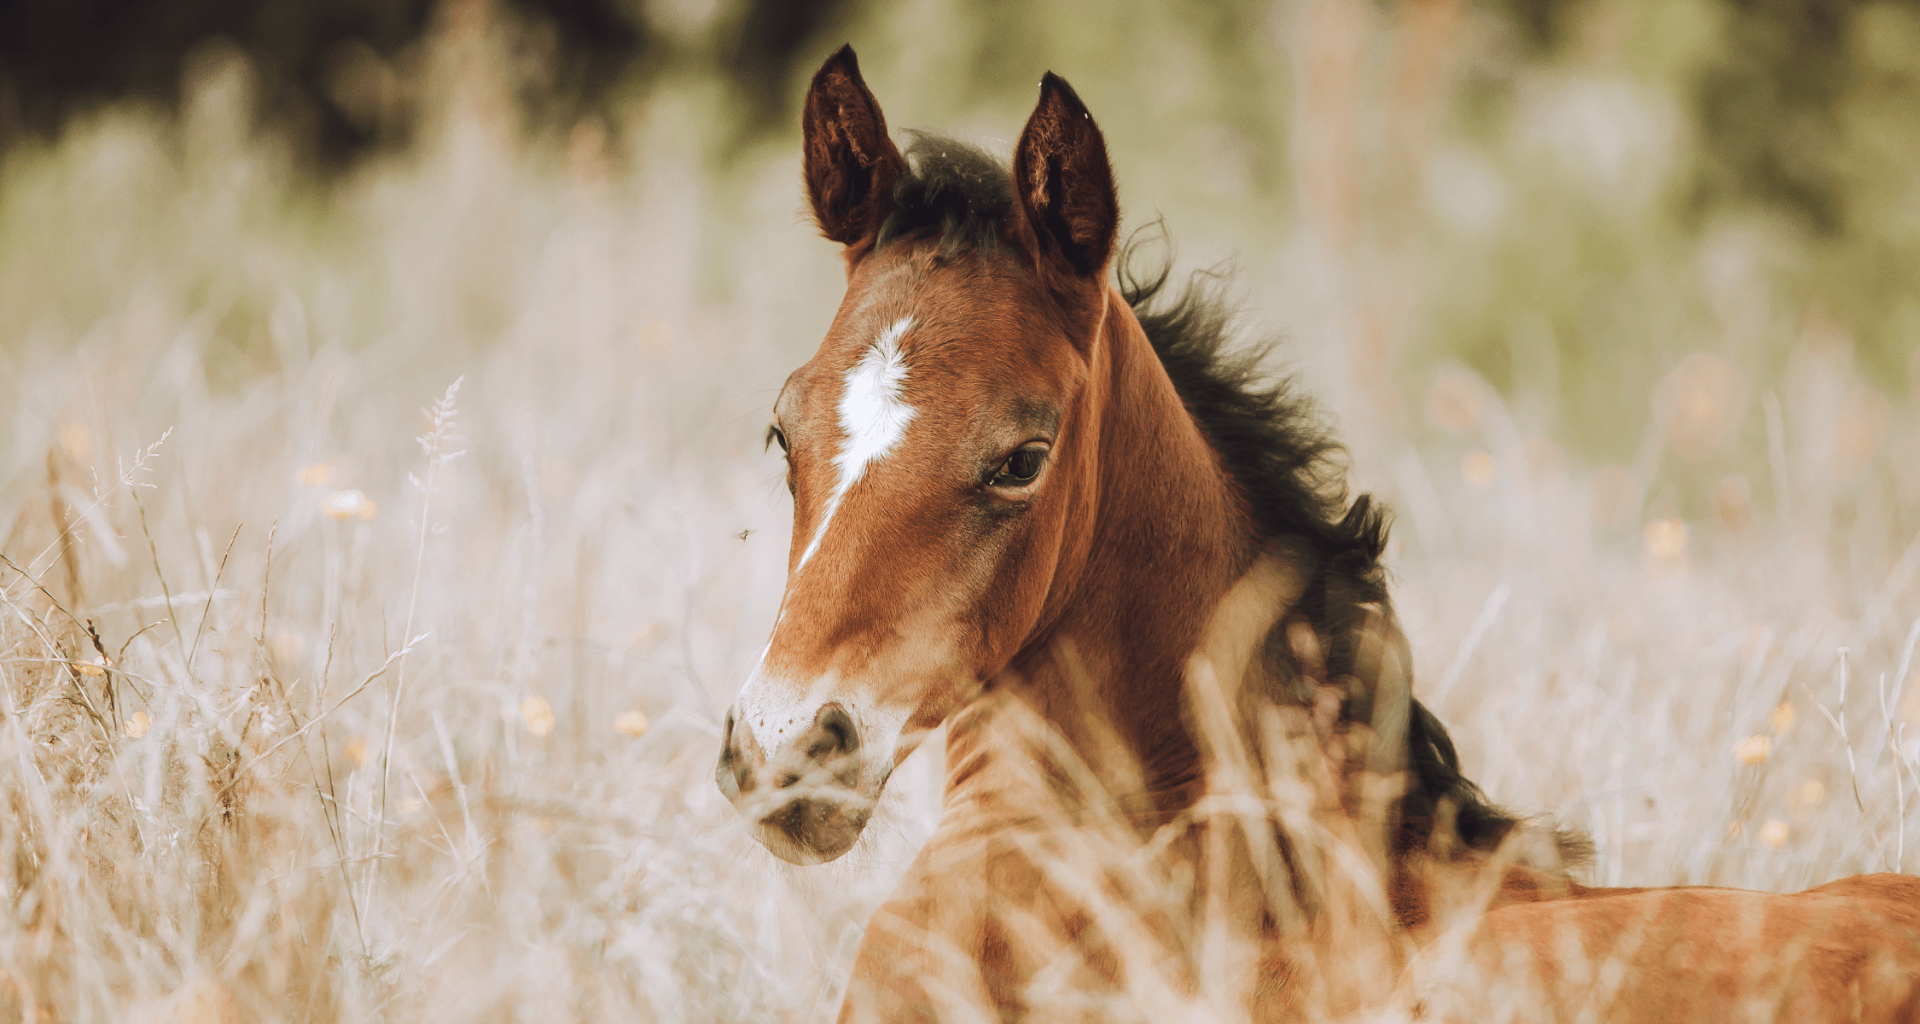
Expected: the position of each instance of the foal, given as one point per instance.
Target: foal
(1057, 517)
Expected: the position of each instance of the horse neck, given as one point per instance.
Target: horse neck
(1160, 537)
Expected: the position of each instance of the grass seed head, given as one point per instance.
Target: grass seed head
(1454, 402)
(348, 505)
(1665, 539)
(1479, 468)
(76, 441)
(538, 715)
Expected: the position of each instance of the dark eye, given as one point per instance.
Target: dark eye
(777, 436)
(1021, 467)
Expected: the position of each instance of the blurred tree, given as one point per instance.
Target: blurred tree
(319, 61)
(61, 57)
(1540, 22)
(759, 50)
(1767, 103)
(1778, 212)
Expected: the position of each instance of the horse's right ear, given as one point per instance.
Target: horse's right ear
(850, 162)
(1064, 185)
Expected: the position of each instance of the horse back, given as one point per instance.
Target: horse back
(1846, 951)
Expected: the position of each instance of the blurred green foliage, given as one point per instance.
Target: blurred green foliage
(1566, 196)
(1697, 174)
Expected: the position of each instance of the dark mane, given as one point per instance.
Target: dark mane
(1283, 455)
(1272, 439)
(957, 191)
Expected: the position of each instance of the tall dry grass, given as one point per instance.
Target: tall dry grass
(307, 718)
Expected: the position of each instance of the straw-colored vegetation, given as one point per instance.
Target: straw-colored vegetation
(303, 720)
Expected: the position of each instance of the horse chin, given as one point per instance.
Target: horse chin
(813, 831)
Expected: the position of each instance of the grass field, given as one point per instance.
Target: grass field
(422, 528)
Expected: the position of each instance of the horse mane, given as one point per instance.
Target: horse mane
(1271, 438)
(1274, 441)
(954, 188)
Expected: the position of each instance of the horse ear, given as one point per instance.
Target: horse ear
(850, 163)
(1064, 183)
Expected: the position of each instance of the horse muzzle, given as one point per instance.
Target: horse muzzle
(806, 798)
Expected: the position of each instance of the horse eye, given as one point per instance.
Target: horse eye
(777, 436)
(1020, 469)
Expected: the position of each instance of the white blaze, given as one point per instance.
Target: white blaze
(872, 417)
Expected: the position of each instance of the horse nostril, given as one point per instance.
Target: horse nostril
(835, 735)
(734, 772)
(723, 772)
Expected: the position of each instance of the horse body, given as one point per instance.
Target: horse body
(1184, 760)
(1845, 951)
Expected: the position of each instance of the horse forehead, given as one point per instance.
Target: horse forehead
(949, 296)
(966, 338)
(927, 346)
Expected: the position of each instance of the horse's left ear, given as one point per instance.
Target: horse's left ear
(850, 161)
(1064, 184)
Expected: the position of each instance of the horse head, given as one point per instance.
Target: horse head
(938, 445)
